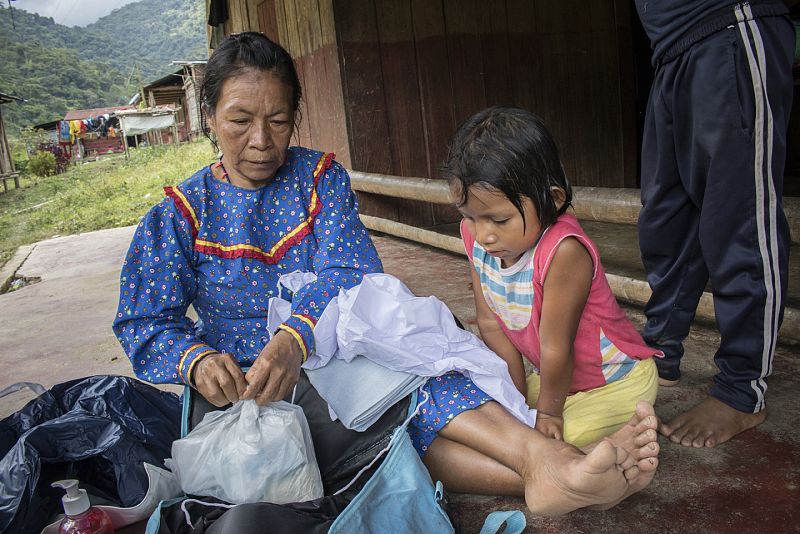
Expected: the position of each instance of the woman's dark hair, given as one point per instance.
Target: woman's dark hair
(510, 150)
(239, 52)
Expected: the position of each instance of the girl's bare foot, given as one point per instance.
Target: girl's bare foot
(563, 479)
(639, 437)
(710, 423)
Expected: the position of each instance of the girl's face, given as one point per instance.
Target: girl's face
(253, 121)
(497, 225)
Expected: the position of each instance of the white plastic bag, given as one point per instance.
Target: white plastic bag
(249, 454)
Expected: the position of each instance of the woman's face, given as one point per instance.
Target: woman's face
(253, 122)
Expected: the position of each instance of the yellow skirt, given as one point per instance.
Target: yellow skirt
(592, 415)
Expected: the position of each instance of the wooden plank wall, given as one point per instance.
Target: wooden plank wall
(306, 29)
(386, 82)
(412, 70)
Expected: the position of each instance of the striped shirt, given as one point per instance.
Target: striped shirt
(607, 345)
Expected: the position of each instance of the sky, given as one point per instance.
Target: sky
(69, 12)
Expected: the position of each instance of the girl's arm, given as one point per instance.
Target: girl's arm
(495, 338)
(566, 290)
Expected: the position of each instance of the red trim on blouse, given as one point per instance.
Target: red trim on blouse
(184, 207)
(276, 253)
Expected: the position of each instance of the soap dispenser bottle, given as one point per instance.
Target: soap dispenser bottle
(81, 517)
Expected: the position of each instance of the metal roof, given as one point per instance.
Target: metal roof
(158, 110)
(52, 125)
(6, 98)
(80, 114)
(176, 78)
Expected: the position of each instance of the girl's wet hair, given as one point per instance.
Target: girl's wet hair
(239, 52)
(509, 150)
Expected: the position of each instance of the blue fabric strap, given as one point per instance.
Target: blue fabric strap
(514, 522)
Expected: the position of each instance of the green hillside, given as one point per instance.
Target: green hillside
(57, 68)
(172, 29)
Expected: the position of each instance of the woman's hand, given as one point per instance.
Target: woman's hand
(275, 371)
(551, 426)
(219, 379)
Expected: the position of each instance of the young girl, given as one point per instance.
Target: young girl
(540, 290)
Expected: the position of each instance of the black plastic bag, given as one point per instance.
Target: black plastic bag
(99, 430)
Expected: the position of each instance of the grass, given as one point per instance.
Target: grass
(94, 196)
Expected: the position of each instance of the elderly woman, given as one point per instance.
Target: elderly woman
(219, 242)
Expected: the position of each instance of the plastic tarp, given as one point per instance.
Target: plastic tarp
(140, 124)
(99, 430)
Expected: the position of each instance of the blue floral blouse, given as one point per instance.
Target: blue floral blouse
(221, 249)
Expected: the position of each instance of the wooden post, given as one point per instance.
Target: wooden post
(175, 140)
(607, 204)
(124, 137)
(125, 143)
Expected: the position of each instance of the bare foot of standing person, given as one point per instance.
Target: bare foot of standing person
(710, 423)
(664, 382)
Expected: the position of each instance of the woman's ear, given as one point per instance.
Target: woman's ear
(209, 117)
(559, 196)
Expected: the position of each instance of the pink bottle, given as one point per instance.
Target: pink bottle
(81, 517)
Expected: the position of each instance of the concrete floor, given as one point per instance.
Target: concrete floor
(59, 328)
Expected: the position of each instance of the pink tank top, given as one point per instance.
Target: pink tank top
(606, 344)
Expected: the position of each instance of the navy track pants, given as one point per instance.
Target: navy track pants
(713, 158)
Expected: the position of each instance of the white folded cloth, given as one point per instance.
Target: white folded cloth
(383, 321)
(358, 392)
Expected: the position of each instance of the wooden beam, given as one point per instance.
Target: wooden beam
(608, 204)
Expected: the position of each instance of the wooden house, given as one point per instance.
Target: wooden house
(178, 90)
(192, 78)
(387, 82)
(50, 130)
